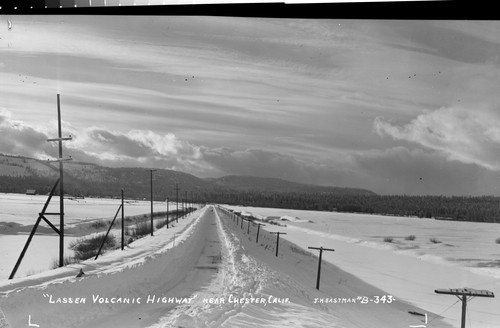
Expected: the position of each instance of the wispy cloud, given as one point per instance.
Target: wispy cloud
(316, 101)
(465, 135)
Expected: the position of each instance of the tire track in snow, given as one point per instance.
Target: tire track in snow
(234, 278)
(271, 283)
(241, 276)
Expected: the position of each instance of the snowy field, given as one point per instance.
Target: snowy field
(24, 209)
(199, 270)
(464, 255)
(205, 272)
(44, 248)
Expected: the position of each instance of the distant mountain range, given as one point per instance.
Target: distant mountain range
(250, 183)
(18, 174)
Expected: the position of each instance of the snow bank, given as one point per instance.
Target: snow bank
(225, 278)
(410, 270)
(292, 219)
(293, 274)
(140, 270)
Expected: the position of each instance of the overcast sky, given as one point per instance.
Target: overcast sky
(392, 106)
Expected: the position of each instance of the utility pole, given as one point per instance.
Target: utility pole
(242, 222)
(61, 185)
(182, 206)
(42, 215)
(60, 139)
(278, 240)
(123, 225)
(177, 202)
(152, 228)
(321, 249)
(186, 201)
(461, 294)
(167, 212)
(248, 230)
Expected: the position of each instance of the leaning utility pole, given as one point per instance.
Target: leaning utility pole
(120, 208)
(462, 293)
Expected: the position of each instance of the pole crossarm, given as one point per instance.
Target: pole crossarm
(322, 249)
(59, 160)
(462, 294)
(60, 139)
(465, 292)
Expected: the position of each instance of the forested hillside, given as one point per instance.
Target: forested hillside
(18, 174)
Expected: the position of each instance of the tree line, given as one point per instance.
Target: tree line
(462, 208)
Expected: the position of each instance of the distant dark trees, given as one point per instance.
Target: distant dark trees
(137, 184)
(463, 208)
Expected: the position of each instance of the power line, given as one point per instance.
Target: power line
(440, 314)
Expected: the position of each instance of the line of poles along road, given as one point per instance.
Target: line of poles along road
(238, 219)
